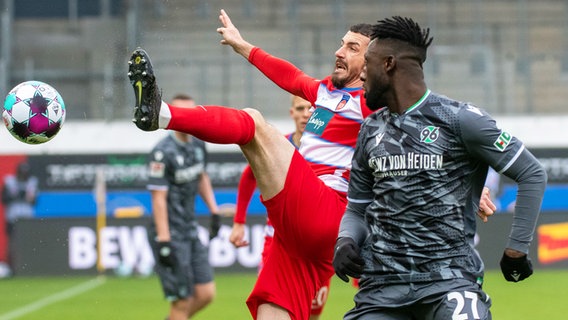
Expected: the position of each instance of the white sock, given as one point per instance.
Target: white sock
(165, 116)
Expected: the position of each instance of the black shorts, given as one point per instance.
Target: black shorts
(438, 300)
(192, 268)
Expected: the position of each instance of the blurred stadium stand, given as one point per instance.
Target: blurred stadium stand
(507, 56)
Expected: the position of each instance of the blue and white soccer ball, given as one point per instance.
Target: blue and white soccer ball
(34, 112)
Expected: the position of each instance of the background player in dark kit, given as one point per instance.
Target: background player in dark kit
(177, 175)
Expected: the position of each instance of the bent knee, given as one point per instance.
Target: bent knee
(205, 293)
(256, 116)
(207, 297)
(263, 129)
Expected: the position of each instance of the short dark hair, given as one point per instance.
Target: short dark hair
(182, 96)
(405, 30)
(365, 29)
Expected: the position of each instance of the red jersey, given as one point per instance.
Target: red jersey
(328, 142)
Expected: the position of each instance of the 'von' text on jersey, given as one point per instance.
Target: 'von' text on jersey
(396, 165)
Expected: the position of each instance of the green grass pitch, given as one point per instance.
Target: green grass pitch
(543, 296)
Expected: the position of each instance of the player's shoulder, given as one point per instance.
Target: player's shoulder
(453, 105)
(465, 117)
(449, 112)
(378, 115)
(326, 82)
(165, 145)
(373, 122)
(198, 143)
(440, 103)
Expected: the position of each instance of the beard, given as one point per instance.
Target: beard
(337, 81)
(373, 100)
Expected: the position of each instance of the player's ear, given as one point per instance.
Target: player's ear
(389, 63)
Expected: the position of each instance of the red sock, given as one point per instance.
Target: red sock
(213, 124)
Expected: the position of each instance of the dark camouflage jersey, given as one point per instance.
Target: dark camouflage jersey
(415, 186)
(177, 167)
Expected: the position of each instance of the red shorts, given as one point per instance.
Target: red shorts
(321, 294)
(320, 299)
(306, 216)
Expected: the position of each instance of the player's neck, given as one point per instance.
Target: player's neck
(296, 137)
(355, 83)
(411, 99)
(182, 137)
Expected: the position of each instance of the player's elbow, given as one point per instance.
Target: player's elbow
(538, 175)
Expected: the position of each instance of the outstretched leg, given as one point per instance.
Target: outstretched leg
(270, 156)
(266, 149)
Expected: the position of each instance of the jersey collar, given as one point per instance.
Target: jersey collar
(419, 102)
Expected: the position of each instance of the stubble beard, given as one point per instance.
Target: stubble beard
(338, 82)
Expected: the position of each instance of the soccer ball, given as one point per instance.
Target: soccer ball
(33, 112)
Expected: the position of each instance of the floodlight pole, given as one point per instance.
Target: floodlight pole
(6, 17)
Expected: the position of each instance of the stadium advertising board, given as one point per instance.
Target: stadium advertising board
(70, 247)
(60, 239)
(122, 171)
(67, 182)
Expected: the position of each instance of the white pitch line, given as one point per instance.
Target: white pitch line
(66, 294)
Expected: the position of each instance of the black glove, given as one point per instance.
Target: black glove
(215, 226)
(346, 259)
(516, 269)
(166, 256)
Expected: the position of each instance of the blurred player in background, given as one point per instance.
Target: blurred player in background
(176, 175)
(299, 112)
(418, 172)
(19, 196)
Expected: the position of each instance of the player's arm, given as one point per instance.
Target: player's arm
(530, 176)
(158, 185)
(166, 254)
(160, 214)
(531, 179)
(508, 156)
(281, 72)
(353, 228)
(360, 193)
(205, 190)
(245, 191)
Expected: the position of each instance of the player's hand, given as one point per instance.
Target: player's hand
(486, 206)
(232, 36)
(166, 255)
(346, 259)
(237, 237)
(516, 266)
(214, 226)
